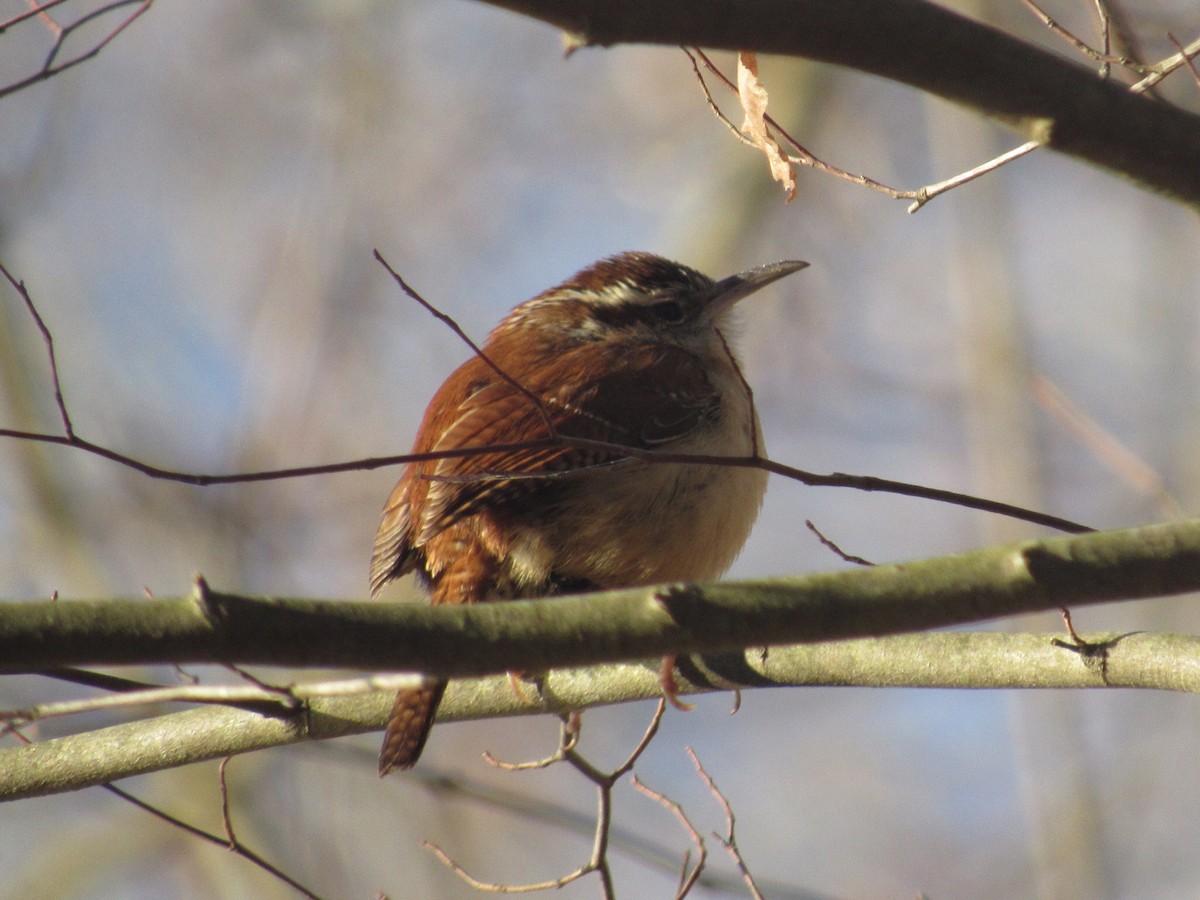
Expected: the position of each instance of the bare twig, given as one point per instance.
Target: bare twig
(837, 479)
(19, 286)
(604, 782)
(39, 10)
(559, 816)
(449, 322)
(496, 888)
(1095, 654)
(1101, 56)
(226, 819)
(1188, 57)
(231, 695)
(568, 738)
(927, 193)
(1156, 74)
(265, 686)
(841, 554)
(867, 483)
(1106, 27)
(51, 66)
(1165, 67)
(101, 680)
(35, 11)
(258, 696)
(687, 880)
(749, 392)
(806, 157)
(729, 841)
(228, 841)
(921, 196)
(1070, 626)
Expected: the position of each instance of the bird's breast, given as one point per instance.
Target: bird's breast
(642, 522)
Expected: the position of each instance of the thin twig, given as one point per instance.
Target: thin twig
(1101, 56)
(50, 68)
(746, 389)
(686, 880)
(233, 695)
(920, 196)
(1165, 67)
(806, 157)
(1106, 26)
(48, 338)
(236, 847)
(604, 782)
(1157, 74)
(927, 193)
(1093, 653)
(39, 10)
(561, 817)
(265, 686)
(226, 818)
(729, 841)
(923, 195)
(35, 11)
(449, 322)
(836, 479)
(1187, 57)
(101, 680)
(867, 483)
(496, 888)
(841, 554)
(285, 699)
(568, 738)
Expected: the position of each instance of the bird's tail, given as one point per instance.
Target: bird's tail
(408, 726)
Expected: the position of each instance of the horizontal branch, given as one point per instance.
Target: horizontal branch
(943, 660)
(611, 626)
(1039, 95)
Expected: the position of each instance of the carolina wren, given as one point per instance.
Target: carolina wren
(630, 351)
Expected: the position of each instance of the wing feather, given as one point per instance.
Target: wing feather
(628, 405)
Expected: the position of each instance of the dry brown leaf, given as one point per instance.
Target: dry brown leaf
(754, 104)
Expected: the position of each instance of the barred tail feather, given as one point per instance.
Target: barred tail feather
(408, 727)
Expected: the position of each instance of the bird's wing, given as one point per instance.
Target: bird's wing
(392, 556)
(648, 397)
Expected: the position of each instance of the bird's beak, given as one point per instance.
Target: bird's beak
(728, 291)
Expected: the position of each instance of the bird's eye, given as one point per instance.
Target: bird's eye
(670, 311)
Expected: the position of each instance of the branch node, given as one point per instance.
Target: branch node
(203, 597)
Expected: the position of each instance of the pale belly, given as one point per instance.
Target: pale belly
(641, 523)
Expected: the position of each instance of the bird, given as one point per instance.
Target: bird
(633, 351)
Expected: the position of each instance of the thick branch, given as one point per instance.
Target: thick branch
(959, 659)
(1037, 94)
(613, 626)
